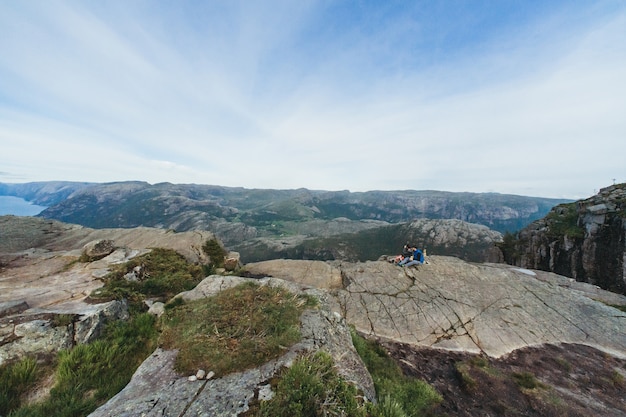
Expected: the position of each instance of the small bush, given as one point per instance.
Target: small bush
(527, 380)
(216, 253)
(165, 273)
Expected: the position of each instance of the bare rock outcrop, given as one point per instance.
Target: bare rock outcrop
(491, 309)
(44, 280)
(314, 273)
(157, 390)
(585, 240)
(19, 234)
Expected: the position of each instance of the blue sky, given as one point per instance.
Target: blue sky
(519, 97)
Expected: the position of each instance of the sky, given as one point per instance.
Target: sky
(515, 97)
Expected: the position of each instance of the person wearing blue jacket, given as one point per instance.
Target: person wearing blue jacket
(416, 259)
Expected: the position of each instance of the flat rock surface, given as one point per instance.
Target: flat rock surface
(490, 309)
(451, 304)
(314, 273)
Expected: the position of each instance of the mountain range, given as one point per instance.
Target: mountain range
(301, 223)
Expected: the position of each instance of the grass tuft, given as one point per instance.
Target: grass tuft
(244, 327)
(414, 396)
(88, 375)
(527, 380)
(15, 381)
(311, 387)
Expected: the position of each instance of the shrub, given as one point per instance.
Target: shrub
(216, 253)
(165, 273)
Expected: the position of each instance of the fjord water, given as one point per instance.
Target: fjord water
(18, 206)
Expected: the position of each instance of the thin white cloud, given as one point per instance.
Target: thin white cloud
(275, 96)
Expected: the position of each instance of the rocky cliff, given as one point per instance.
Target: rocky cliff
(585, 240)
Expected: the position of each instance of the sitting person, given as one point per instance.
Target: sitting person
(416, 259)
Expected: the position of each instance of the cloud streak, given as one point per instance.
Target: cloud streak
(318, 95)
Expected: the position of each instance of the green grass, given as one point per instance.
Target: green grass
(311, 387)
(563, 220)
(15, 380)
(414, 396)
(165, 273)
(88, 375)
(244, 327)
(527, 380)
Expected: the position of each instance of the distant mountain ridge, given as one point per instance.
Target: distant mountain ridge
(377, 221)
(47, 193)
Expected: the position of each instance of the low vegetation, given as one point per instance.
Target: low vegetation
(563, 221)
(15, 380)
(311, 387)
(85, 376)
(398, 395)
(161, 273)
(245, 326)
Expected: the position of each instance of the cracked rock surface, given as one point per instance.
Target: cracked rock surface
(478, 308)
(451, 304)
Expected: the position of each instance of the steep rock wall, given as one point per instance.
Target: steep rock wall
(585, 240)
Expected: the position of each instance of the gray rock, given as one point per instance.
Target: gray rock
(91, 323)
(156, 390)
(491, 309)
(37, 332)
(583, 240)
(9, 308)
(98, 249)
(32, 338)
(157, 309)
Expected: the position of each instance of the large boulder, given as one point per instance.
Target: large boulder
(98, 249)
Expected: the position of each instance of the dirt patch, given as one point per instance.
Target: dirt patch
(550, 380)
